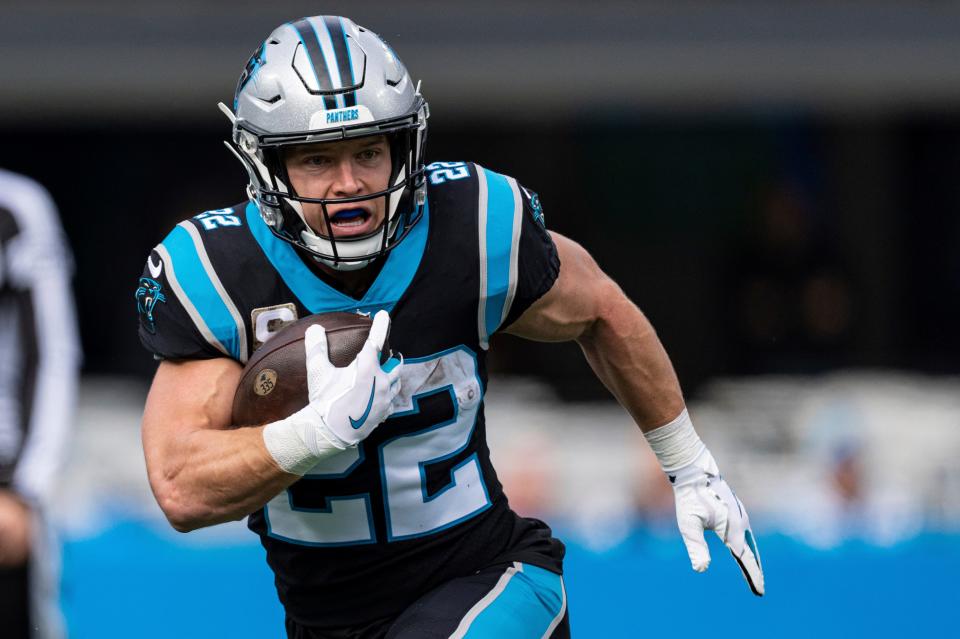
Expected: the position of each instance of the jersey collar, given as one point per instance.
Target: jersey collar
(318, 296)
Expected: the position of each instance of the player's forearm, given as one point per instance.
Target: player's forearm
(202, 470)
(624, 351)
(216, 476)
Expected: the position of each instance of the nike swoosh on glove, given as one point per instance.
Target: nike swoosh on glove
(705, 502)
(347, 403)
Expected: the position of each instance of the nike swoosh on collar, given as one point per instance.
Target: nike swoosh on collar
(358, 423)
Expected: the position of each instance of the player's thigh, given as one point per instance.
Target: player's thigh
(516, 601)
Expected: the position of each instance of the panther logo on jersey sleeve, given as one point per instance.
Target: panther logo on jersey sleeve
(148, 296)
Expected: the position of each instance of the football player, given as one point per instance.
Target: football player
(377, 503)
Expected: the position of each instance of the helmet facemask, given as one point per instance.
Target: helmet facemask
(282, 207)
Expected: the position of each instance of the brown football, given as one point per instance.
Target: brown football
(274, 381)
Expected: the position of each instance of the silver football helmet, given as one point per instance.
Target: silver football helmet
(322, 79)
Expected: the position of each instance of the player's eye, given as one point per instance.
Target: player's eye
(316, 160)
(368, 155)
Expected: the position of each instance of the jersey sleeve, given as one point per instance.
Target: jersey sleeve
(538, 264)
(183, 310)
(166, 329)
(518, 259)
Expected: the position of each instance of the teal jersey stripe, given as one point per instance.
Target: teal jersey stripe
(501, 209)
(318, 296)
(532, 603)
(200, 291)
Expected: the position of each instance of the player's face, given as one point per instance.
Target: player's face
(346, 168)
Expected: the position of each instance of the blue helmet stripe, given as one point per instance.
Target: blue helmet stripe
(318, 62)
(328, 50)
(341, 51)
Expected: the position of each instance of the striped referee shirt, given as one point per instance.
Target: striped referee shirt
(39, 352)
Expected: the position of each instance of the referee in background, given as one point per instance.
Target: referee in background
(39, 360)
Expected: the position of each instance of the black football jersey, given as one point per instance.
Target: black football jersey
(370, 529)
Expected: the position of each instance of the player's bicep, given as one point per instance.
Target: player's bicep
(186, 396)
(574, 301)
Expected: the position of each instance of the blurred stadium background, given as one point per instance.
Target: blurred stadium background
(774, 183)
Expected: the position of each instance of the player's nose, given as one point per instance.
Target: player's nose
(345, 180)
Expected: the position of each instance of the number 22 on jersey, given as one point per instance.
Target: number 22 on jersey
(441, 172)
(409, 509)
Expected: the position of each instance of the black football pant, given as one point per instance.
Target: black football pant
(15, 602)
(515, 601)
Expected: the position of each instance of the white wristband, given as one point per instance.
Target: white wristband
(675, 444)
(289, 443)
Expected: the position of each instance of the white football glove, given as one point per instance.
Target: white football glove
(346, 404)
(705, 502)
